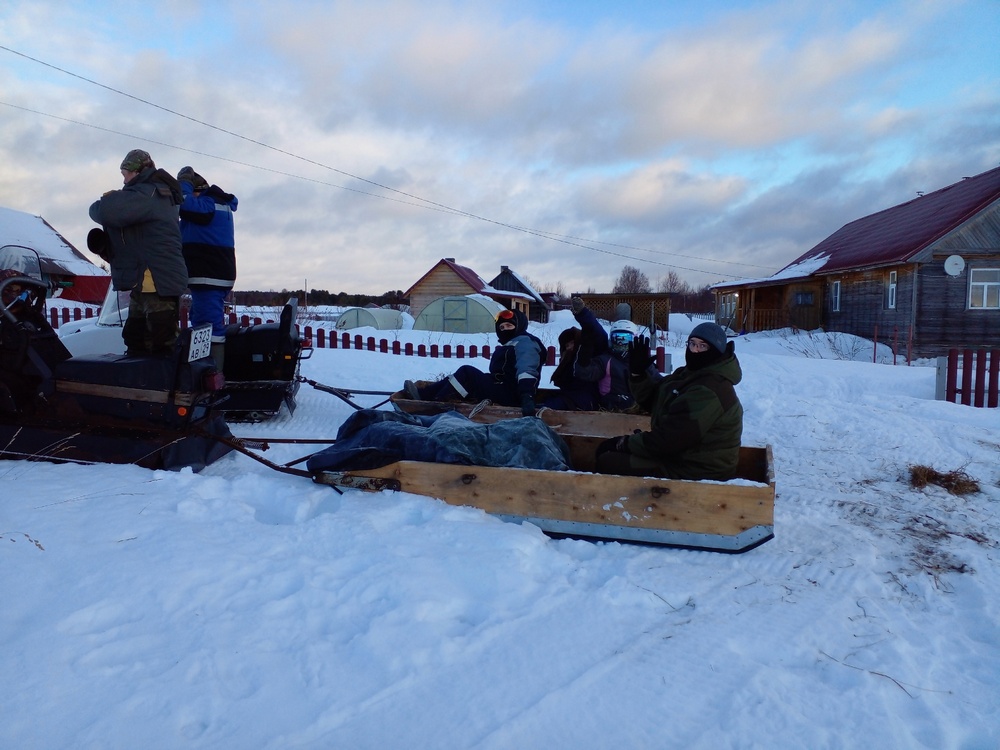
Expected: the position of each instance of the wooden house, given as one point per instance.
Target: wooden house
(448, 279)
(924, 274)
(511, 281)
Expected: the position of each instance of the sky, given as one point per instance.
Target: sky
(243, 608)
(368, 140)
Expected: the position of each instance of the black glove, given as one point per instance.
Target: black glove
(577, 305)
(639, 358)
(614, 445)
(527, 405)
(98, 242)
(187, 174)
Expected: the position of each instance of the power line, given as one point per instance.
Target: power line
(423, 202)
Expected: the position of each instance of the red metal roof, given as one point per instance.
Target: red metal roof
(896, 234)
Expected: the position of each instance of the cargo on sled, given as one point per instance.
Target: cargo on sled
(732, 516)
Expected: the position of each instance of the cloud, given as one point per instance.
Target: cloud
(718, 144)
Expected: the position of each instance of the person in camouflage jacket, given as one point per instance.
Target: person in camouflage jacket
(696, 418)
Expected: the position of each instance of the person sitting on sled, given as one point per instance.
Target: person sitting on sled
(696, 419)
(21, 298)
(599, 377)
(13, 293)
(583, 360)
(514, 372)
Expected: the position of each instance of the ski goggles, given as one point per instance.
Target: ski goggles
(620, 340)
(505, 315)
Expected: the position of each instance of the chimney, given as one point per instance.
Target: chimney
(504, 269)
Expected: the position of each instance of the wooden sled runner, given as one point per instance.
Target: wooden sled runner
(730, 516)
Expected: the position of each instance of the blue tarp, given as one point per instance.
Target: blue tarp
(369, 439)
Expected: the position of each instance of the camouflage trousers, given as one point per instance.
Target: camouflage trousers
(151, 326)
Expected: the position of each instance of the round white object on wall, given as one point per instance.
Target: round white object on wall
(954, 265)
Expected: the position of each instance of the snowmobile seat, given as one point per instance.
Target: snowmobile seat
(269, 351)
(138, 387)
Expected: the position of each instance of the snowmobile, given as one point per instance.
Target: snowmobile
(260, 365)
(156, 412)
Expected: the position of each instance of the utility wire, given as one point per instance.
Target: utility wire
(564, 239)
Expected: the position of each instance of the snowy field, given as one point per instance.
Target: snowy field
(242, 608)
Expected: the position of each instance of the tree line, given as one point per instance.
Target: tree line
(683, 297)
(258, 298)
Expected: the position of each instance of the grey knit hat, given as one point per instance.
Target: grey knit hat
(712, 334)
(137, 160)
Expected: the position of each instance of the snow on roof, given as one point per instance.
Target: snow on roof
(526, 285)
(805, 267)
(20, 228)
(798, 270)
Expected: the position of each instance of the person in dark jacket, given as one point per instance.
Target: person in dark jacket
(696, 419)
(514, 372)
(575, 393)
(603, 358)
(583, 359)
(142, 242)
(209, 246)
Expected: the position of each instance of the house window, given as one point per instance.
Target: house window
(727, 306)
(835, 296)
(803, 299)
(891, 301)
(984, 288)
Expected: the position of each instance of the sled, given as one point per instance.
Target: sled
(733, 516)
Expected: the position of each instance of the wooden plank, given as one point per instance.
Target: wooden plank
(718, 515)
(606, 423)
(730, 516)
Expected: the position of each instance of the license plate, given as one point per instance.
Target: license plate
(201, 342)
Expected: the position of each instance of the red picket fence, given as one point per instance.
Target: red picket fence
(971, 377)
(321, 339)
(63, 315)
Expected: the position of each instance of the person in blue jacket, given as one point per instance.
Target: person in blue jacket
(209, 246)
(514, 372)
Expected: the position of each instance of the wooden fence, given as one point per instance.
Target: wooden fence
(970, 377)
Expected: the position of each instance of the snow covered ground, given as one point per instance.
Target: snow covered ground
(241, 608)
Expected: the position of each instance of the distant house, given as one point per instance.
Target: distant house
(448, 279)
(511, 281)
(71, 274)
(925, 273)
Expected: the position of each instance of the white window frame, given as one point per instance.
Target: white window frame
(988, 297)
(893, 280)
(835, 296)
(727, 308)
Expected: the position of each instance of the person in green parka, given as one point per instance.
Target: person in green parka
(696, 418)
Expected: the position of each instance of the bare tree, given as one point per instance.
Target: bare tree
(632, 281)
(672, 283)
